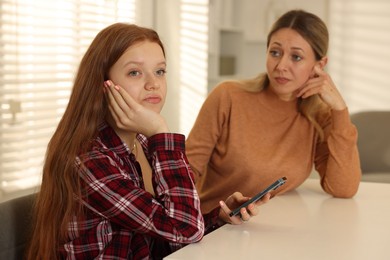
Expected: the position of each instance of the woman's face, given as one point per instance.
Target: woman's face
(141, 72)
(290, 63)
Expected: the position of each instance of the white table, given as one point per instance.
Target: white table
(306, 224)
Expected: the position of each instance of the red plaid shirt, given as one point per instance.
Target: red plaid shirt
(123, 221)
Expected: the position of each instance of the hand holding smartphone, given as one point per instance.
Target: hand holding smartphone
(258, 196)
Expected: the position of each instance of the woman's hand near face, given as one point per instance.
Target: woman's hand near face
(323, 85)
(235, 200)
(131, 116)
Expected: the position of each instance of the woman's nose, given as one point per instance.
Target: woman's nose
(282, 63)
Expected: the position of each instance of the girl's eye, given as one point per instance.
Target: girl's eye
(161, 72)
(134, 73)
(296, 57)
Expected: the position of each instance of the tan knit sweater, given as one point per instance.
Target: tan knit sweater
(243, 141)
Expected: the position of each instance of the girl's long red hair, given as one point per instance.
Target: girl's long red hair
(87, 108)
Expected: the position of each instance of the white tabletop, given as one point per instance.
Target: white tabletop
(306, 224)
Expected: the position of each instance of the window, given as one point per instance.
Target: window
(193, 60)
(41, 44)
(359, 52)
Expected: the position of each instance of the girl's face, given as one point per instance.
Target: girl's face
(141, 72)
(290, 63)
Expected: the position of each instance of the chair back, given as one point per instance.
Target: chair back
(15, 227)
(373, 140)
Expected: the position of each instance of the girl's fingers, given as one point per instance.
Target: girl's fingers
(123, 99)
(122, 105)
(233, 220)
(253, 209)
(130, 115)
(113, 114)
(224, 207)
(112, 103)
(115, 97)
(245, 216)
(116, 105)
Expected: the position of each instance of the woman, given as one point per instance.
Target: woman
(250, 133)
(116, 184)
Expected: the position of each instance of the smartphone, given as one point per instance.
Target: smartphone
(258, 196)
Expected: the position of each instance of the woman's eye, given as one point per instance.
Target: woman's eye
(296, 57)
(134, 73)
(161, 72)
(274, 53)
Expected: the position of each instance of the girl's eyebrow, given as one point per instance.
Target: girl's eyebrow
(131, 62)
(161, 63)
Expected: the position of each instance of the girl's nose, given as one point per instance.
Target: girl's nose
(151, 83)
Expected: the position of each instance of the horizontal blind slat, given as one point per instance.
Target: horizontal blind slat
(359, 56)
(41, 45)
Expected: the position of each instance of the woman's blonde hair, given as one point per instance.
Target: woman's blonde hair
(87, 108)
(315, 32)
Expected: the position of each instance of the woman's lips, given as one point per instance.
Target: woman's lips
(281, 80)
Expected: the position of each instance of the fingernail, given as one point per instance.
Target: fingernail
(116, 87)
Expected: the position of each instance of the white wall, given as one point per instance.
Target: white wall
(167, 24)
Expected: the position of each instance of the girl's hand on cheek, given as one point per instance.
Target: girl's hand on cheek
(131, 116)
(323, 85)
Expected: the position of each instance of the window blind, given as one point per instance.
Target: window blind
(193, 60)
(359, 55)
(41, 44)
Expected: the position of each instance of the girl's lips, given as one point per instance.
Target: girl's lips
(281, 80)
(153, 99)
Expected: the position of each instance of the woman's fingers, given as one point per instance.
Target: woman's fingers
(323, 85)
(318, 71)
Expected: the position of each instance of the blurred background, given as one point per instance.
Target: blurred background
(207, 41)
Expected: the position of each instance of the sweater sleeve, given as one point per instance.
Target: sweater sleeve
(337, 158)
(207, 129)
